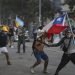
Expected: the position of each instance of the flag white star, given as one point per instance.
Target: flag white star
(59, 19)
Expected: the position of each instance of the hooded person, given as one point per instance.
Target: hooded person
(68, 47)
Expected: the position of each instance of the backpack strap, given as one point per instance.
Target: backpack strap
(69, 43)
(65, 48)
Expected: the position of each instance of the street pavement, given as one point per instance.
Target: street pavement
(22, 62)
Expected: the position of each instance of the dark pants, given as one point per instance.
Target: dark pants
(10, 40)
(65, 59)
(19, 44)
(34, 36)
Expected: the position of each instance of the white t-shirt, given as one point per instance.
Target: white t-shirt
(3, 49)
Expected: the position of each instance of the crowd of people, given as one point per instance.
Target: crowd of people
(66, 43)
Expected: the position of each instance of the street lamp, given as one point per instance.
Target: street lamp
(40, 12)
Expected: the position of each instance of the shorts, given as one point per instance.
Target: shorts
(40, 55)
(3, 49)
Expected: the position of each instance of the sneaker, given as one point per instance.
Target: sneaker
(8, 63)
(17, 52)
(32, 70)
(56, 74)
(46, 72)
(12, 46)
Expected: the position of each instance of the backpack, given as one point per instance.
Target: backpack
(66, 44)
(33, 44)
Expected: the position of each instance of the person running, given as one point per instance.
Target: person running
(68, 46)
(38, 51)
(3, 44)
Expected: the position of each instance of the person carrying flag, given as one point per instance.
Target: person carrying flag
(68, 46)
(56, 26)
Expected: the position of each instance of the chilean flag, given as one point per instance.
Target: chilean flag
(56, 26)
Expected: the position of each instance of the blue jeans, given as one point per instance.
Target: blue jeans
(40, 55)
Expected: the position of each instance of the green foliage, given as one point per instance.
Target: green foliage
(71, 3)
(27, 8)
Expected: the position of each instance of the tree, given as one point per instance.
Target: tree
(71, 3)
(29, 9)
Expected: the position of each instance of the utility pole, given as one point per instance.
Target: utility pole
(40, 13)
(0, 11)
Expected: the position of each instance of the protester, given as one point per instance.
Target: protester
(34, 33)
(11, 36)
(21, 38)
(39, 52)
(68, 46)
(3, 44)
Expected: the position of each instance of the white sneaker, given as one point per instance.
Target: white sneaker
(12, 46)
(32, 70)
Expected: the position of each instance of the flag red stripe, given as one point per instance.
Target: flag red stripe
(56, 29)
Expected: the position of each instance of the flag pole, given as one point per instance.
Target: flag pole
(40, 21)
(69, 22)
(70, 26)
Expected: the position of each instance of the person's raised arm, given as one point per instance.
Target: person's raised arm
(56, 44)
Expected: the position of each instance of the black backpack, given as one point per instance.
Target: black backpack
(64, 46)
(3, 39)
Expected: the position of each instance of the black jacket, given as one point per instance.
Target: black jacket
(3, 39)
(64, 43)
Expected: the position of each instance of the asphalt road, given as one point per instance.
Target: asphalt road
(21, 62)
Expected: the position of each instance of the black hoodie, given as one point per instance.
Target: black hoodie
(3, 39)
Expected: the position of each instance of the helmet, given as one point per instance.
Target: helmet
(4, 29)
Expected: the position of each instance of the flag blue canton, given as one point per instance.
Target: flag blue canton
(59, 20)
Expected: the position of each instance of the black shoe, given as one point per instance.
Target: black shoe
(9, 45)
(45, 72)
(23, 52)
(56, 74)
(8, 63)
(17, 52)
